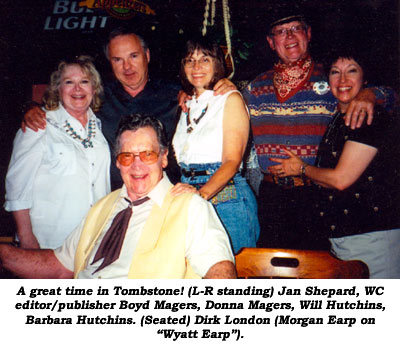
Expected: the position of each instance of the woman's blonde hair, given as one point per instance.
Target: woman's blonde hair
(51, 98)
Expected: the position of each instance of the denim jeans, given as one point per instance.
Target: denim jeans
(236, 206)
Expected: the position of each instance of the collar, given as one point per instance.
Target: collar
(60, 115)
(118, 90)
(157, 195)
(207, 94)
(155, 89)
(202, 99)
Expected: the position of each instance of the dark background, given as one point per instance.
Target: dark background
(29, 52)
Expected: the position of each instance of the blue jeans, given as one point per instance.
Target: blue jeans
(236, 206)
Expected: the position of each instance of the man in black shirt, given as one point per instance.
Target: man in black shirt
(132, 92)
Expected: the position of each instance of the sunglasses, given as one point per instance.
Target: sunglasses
(146, 157)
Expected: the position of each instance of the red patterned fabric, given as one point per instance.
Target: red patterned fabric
(290, 78)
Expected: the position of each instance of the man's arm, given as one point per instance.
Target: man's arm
(34, 118)
(223, 269)
(35, 263)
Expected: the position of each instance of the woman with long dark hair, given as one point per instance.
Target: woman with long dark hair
(210, 141)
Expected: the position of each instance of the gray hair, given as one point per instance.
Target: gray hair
(137, 121)
(122, 31)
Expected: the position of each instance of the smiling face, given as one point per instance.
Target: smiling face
(129, 62)
(294, 45)
(199, 70)
(76, 90)
(345, 80)
(140, 178)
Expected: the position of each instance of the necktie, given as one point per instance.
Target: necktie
(110, 246)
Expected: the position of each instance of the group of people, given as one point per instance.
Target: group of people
(324, 174)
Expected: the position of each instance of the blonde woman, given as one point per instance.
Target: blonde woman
(56, 174)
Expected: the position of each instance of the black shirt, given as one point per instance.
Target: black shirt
(158, 99)
(372, 203)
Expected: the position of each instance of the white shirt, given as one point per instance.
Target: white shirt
(55, 177)
(204, 143)
(206, 240)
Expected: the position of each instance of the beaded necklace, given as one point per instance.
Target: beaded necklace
(91, 133)
(196, 120)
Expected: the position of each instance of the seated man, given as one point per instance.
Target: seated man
(140, 230)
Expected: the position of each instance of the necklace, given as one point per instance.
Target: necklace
(195, 120)
(91, 133)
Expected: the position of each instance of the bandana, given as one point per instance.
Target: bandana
(290, 78)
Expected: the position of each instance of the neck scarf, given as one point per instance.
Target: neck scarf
(110, 247)
(290, 78)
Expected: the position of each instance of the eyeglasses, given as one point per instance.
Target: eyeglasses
(147, 157)
(203, 61)
(281, 33)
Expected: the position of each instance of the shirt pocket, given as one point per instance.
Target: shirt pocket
(62, 159)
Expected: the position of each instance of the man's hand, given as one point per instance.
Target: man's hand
(361, 106)
(182, 98)
(223, 86)
(35, 119)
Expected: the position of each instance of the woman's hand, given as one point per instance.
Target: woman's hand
(180, 188)
(286, 167)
